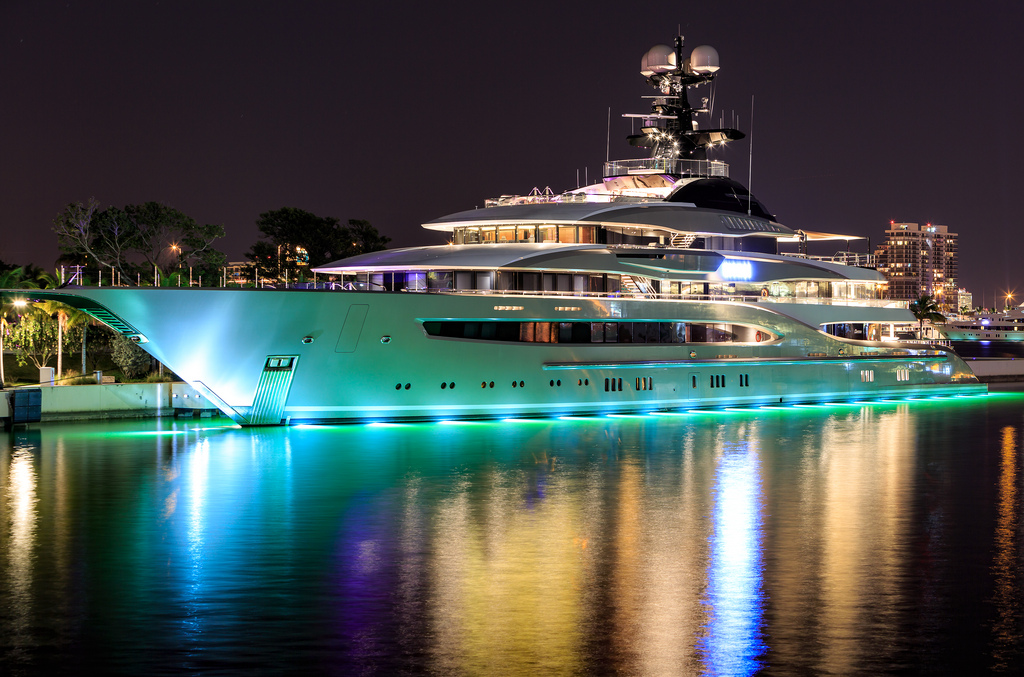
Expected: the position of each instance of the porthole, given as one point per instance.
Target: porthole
(491, 384)
(558, 382)
(451, 386)
(408, 385)
(522, 384)
(586, 381)
(514, 384)
(551, 383)
(443, 385)
(579, 382)
(398, 386)
(483, 384)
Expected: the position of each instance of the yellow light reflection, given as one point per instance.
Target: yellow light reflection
(22, 506)
(507, 581)
(867, 465)
(1006, 629)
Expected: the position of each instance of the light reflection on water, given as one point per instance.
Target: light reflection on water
(879, 538)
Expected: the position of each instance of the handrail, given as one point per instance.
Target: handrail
(661, 296)
(666, 166)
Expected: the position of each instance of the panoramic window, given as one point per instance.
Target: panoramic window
(576, 332)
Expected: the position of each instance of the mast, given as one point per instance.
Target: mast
(670, 130)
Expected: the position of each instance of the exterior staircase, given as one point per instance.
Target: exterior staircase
(682, 240)
(635, 285)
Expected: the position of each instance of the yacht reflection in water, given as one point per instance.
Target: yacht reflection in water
(800, 540)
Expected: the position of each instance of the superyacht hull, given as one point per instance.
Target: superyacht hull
(295, 356)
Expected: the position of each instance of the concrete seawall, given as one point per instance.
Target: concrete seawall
(996, 370)
(121, 400)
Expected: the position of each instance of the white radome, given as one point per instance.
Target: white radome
(658, 59)
(704, 59)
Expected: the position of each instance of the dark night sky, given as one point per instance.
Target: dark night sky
(864, 112)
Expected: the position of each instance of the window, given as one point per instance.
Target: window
(594, 332)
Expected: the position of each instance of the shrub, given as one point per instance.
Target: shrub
(133, 361)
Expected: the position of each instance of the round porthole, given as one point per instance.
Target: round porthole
(451, 385)
(522, 385)
(514, 384)
(398, 386)
(551, 383)
(693, 353)
(443, 386)
(558, 383)
(307, 339)
(491, 384)
(408, 385)
(483, 384)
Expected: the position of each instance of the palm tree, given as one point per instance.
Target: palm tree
(67, 318)
(925, 308)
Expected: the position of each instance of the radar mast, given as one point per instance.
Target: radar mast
(670, 130)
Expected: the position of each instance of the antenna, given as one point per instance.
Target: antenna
(608, 137)
(750, 160)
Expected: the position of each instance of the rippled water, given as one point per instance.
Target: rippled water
(881, 538)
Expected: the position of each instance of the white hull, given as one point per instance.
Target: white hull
(361, 356)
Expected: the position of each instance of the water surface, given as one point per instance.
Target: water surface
(878, 538)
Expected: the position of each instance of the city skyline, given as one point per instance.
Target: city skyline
(861, 115)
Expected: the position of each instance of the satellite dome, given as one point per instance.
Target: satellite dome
(659, 59)
(704, 59)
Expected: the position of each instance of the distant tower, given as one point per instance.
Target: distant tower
(918, 260)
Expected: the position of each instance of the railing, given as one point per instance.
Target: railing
(657, 296)
(666, 166)
(929, 342)
(870, 303)
(563, 198)
(845, 258)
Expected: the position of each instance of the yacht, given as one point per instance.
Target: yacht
(659, 287)
(1007, 326)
